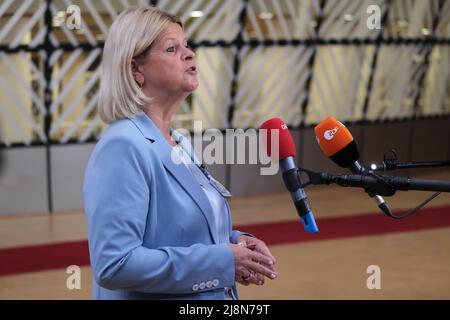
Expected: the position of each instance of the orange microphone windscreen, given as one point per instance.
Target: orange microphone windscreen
(332, 136)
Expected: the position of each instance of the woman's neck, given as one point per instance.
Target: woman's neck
(161, 116)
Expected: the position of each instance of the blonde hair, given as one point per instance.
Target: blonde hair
(130, 36)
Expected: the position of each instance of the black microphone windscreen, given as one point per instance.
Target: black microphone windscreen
(347, 156)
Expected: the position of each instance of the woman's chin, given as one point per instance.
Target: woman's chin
(192, 86)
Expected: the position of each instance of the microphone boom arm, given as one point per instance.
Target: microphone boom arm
(375, 184)
(392, 163)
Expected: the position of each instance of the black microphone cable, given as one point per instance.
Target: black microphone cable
(387, 210)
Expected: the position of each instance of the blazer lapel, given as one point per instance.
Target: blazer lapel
(191, 186)
(179, 171)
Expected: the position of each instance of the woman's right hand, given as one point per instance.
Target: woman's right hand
(250, 266)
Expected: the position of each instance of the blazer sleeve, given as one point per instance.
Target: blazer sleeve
(235, 234)
(116, 195)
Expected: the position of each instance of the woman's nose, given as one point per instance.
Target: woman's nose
(189, 54)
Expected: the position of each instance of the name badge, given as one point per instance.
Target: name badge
(219, 187)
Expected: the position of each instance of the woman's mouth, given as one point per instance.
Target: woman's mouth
(192, 70)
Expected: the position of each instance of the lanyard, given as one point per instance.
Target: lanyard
(189, 150)
(179, 140)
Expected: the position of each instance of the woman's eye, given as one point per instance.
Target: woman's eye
(170, 49)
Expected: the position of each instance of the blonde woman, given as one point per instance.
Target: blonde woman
(158, 229)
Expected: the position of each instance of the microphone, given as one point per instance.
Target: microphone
(338, 144)
(285, 156)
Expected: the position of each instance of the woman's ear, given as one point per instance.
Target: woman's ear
(137, 72)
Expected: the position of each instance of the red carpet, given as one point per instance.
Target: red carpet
(43, 257)
(61, 255)
(353, 226)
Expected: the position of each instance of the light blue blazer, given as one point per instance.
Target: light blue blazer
(149, 222)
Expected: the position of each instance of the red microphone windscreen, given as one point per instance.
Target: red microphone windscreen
(285, 146)
(332, 136)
